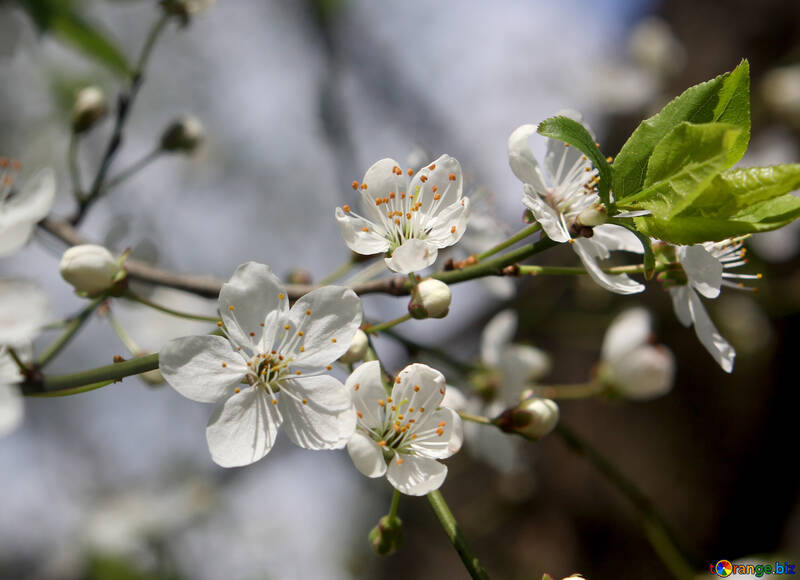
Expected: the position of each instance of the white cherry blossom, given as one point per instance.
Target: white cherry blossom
(409, 430)
(269, 369)
(631, 364)
(24, 310)
(408, 221)
(21, 209)
(567, 193)
(704, 266)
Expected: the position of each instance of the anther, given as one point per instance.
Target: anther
(365, 229)
(305, 401)
(410, 171)
(355, 186)
(286, 327)
(416, 388)
(333, 340)
(356, 386)
(231, 307)
(219, 323)
(452, 177)
(274, 401)
(308, 312)
(252, 334)
(237, 390)
(281, 296)
(302, 349)
(453, 230)
(363, 186)
(437, 196)
(300, 333)
(423, 178)
(224, 365)
(381, 443)
(298, 373)
(346, 208)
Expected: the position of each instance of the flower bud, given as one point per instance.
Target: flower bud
(533, 418)
(185, 8)
(90, 269)
(183, 136)
(387, 536)
(358, 348)
(575, 576)
(593, 216)
(646, 372)
(90, 106)
(299, 276)
(430, 299)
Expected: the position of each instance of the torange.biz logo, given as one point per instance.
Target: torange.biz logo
(725, 568)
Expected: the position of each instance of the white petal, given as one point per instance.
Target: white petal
(521, 158)
(497, 333)
(703, 269)
(492, 446)
(618, 283)
(420, 385)
(438, 446)
(413, 255)
(367, 456)
(719, 348)
(14, 234)
(519, 365)
(328, 317)
(36, 197)
(439, 177)
(416, 475)
(246, 299)
(646, 372)
(366, 387)
(11, 408)
(243, 429)
(380, 181)
(193, 365)
(680, 303)
(617, 238)
(327, 419)
(627, 331)
(24, 310)
(454, 399)
(548, 218)
(442, 234)
(362, 242)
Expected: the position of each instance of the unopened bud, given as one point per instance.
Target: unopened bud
(528, 217)
(575, 576)
(593, 216)
(91, 269)
(358, 348)
(183, 136)
(90, 106)
(387, 536)
(185, 8)
(299, 276)
(430, 299)
(533, 418)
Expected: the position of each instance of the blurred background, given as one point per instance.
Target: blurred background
(298, 99)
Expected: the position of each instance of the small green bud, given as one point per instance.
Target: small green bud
(430, 299)
(358, 348)
(183, 136)
(387, 537)
(90, 106)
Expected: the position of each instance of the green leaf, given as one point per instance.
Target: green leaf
(740, 188)
(572, 132)
(725, 99)
(692, 229)
(61, 19)
(683, 163)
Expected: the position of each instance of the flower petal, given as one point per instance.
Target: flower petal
(366, 387)
(703, 269)
(497, 333)
(202, 368)
(619, 283)
(492, 446)
(426, 179)
(617, 238)
(361, 241)
(548, 218)
(328, 318)
(680, 303)
(11, 408)
(628, 331)
(380, 181)
(319, 414)
(14, 234)
(415, 475)
(24, 310)
(456, 215)
(243, 429)
(520, 364)
(421, 386)
(644, 373)
(246, 299)
(366, 455)
(719, 348)
(521, 158)
(447, 438)
(413, 255)
(35, 199)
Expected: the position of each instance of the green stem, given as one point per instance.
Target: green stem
(136, 298)
(53, 385)
(74, 168)
(23, 368)
(519, 236)
(453, 532)
(475, 418)
(123, 335)
(384, 325)
(656, 530)
(337, 273)
(395, 504)
(72, 391)
(70, 330)
(133, 169)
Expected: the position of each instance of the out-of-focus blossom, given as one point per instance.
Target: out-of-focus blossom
(90, 106)
(631, 365)
(408, 430)
(21, 209)
(24, 310)
(780, 92)
(410, 221)
(653, 46)
(281, 354)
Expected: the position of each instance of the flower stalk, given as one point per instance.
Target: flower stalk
(456, 537)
